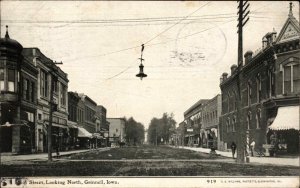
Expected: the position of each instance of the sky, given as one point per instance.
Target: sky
(188, 45)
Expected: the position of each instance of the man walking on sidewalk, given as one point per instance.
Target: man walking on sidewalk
(233, 148)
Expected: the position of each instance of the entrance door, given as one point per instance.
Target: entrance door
(6, 139)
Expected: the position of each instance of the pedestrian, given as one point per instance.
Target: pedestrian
(233, 148)
(57, 146)
(252, 146)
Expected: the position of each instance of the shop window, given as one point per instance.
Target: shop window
(1, 79)
(11, 80)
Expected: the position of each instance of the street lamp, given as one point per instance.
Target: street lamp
(141, 74)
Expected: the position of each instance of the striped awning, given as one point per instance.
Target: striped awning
(287, 118)
(84, 133)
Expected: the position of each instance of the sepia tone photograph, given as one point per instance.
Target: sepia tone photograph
(149, 93)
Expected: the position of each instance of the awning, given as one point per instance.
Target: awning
(84, 133)
(56, 125)
(97, 135)
(72, 124)
(287, 118)
(10, 125)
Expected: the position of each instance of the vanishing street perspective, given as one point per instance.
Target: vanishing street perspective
(142, 88)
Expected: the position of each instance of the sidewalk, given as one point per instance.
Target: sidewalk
(10, 159)
(293, 161)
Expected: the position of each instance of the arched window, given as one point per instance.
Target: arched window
(248, 120)
(271, 88)
(249, 94)
(1, 79)
(234, 124)
(228, 101)
(258, 117)
(228, 124)
(258, 87)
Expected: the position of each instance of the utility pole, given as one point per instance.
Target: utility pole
(50, 122)
(52, 107)
(242, 20)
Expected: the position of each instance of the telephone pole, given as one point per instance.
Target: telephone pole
(52, 106)
(243, 18)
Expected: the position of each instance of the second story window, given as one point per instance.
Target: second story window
(248, 120)
(258, 115)
(26, 89)
(291, 76)
(55, 86)
(249, 94)
(271, 88)
(258, 88)
(63, 95)
(11, 80)
(1, 79)
(44, 84)
(32, 91)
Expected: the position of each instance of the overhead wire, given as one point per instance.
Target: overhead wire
(159, 35)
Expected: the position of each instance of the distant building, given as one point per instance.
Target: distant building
(211, 113)
(193, 123)
(103, 127)
(116, 130)
(201, 123)
(89, 113)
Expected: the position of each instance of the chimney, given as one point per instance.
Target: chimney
(248, 56)
(233, 68)
(221, 80)
(224, 76)
(264, 42)
(274, 33)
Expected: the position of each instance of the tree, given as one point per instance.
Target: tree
(134, 131)
(161, 129)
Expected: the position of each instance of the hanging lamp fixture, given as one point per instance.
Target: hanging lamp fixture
(141, 74)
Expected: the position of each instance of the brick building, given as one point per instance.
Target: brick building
(270, 85)
(18, 99)
(25, 77)
(49, 72)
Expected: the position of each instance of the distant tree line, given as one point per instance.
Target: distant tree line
(161, 129)
(135, 132)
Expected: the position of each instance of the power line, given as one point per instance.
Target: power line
(176, 23)
(159, 35)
